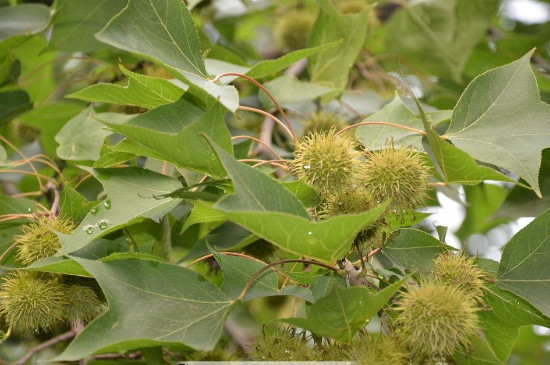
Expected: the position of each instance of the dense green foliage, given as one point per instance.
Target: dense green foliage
(220, 180)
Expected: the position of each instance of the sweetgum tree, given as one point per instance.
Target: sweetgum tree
(218, 180)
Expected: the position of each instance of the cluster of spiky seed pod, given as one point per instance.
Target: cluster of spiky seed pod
(32, 301)
(438, 316)
(350, 180)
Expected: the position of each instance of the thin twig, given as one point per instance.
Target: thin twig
(275, 154)
(44, 345)
(12, 146)
(269, 115)
(277, 105)
(419, 131)
(54, 209)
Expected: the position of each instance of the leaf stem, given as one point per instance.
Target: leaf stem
(271, 116)
(242, 136)
(263, 162)
(259, 272)
(382, 123)
(293, 135)
(12, 146)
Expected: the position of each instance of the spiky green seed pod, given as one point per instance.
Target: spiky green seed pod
(435, 319)
(326, 161)
(459, 271)
(82, 303)
(323, 122)
(382, 351)
(31, 301)
(397, 174)
(351, 201)
(291, 30)
(283, 346)
(39, 241)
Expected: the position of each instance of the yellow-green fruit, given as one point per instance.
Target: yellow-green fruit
(435, 319)
(323, 122)
(382, 351)
(326, 161)
(82, 303)
(32, 302)
(397, 174)
(291, 30)
(283, 346)
(39, 240)
(459, 271)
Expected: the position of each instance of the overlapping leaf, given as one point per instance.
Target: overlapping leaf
(344, 311)
(500, 120)
(439, 36)
(150, 304)
(143, 91)
(132, 195)
(165, 31)
(331, 66)
(413, 249)
(525, 265)
(75, 23)
(237, 271)
(81, 138)
(172, 133)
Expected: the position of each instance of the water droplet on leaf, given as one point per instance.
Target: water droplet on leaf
(94, 210)
(103, 224)
(107, 203)
(89, 229)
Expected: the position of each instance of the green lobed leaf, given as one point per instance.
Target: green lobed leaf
(130, 198)
(23, 19)
(81, 138)
(525, 265)
(237, 271)
(331, 67)
(172, 132)
(75, 23)
(413, 249)
(267, 67)
(73, 205)
(288, 90)
(143, 91)
(150, 304)
(344, 311)
(165, 31)
(255, 191)
(439, 36)
(375, 137)
(457, 166)
(500, 120)
(59, 265)
(202, 212)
